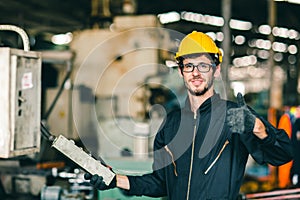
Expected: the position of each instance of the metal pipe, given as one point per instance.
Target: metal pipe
(226, 44)
(21, 32)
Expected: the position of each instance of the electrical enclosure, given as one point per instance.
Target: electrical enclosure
(20, 102)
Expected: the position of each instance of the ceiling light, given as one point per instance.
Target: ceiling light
(292, 49)
(245, 61)
(62, 39)
(278, 57)
(129, 6)
(240, 25)
(279, 47)
(239, 39)
(263, 44)
(205, 19)
(264, 29)
(263, 54)
(290, 1)
(169, 17)
(194, 17)
(293, 34)
(280, 32)
(294, 1)
(214, 20)
(292, 59)
(220, 36)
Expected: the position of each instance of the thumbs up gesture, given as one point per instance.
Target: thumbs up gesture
(240, 120)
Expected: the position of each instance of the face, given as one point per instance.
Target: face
(199, 83)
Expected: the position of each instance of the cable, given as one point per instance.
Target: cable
(45, 117)
(46, 133)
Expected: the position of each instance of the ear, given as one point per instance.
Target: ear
(217, 71)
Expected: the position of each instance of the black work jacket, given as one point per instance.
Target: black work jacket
(196, 155)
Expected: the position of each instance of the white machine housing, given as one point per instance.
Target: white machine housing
(20, 102)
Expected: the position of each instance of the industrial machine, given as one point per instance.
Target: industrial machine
(20, 80)
(20, 126)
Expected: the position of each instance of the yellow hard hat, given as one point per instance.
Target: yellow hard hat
(198, 42)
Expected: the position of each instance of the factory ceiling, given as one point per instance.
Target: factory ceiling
(56, 16)
(46, 17)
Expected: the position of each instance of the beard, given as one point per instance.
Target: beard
(197, 92)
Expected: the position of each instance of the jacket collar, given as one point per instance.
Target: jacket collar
(204, 106)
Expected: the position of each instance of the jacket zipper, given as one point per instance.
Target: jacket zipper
(172, 157)
(192, 158)
(218, 156)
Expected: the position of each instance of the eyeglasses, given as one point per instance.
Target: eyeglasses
(201, 67)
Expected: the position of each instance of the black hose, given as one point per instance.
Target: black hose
(46, 133)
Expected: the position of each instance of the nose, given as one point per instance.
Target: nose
(196, 72)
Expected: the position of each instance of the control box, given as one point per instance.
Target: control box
(20, 102)
(81, 158)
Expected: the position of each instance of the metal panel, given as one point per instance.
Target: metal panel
(20, 103)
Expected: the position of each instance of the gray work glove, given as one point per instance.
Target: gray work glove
(240, 120)
(98, 183)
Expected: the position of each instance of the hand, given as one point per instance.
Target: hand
(240, 120)
(97, 181)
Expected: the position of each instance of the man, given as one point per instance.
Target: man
(201, 150)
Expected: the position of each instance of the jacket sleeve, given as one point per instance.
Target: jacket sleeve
(275, 149)
(152, 184)
(149, 185)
